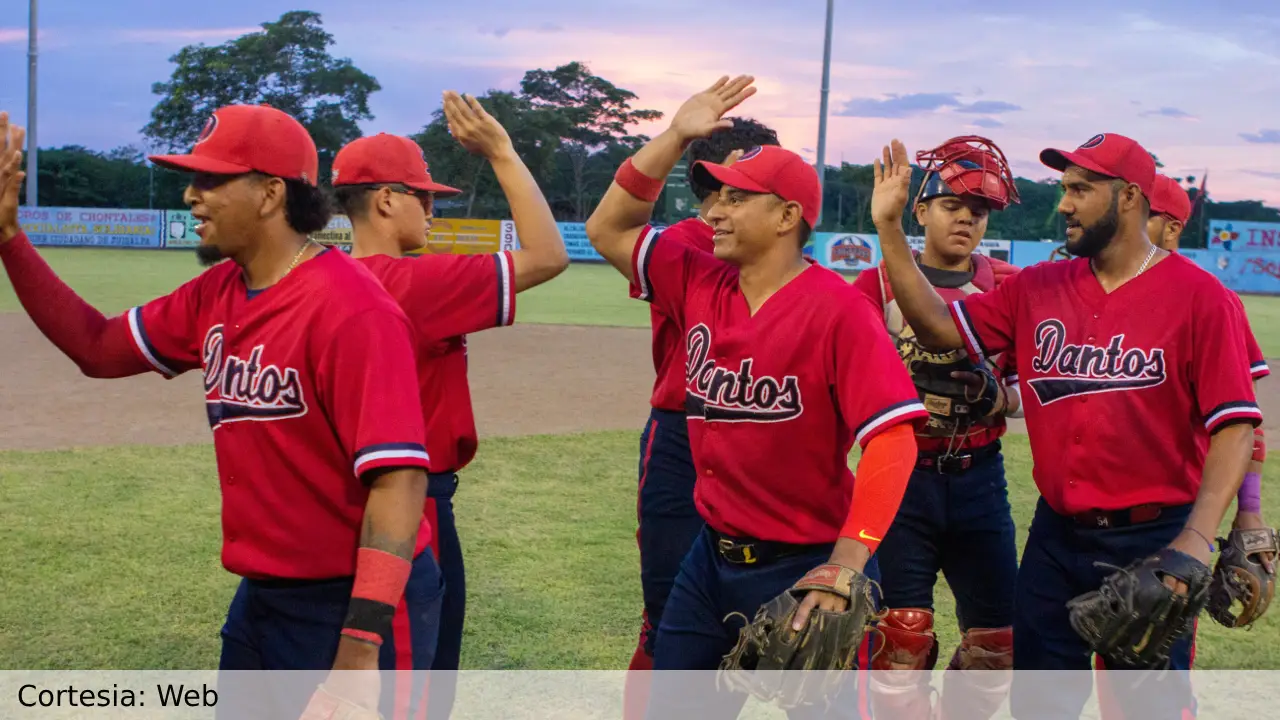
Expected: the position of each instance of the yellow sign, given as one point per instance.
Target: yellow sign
(449, 236)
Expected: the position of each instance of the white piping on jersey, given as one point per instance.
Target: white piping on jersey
(387, 454)
(507, 280)
(964, 325)
(1242, 410)
(642, 262)
(135, 329)
(887, 418)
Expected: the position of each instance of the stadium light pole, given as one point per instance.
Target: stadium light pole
(32, 146)
(822, 112)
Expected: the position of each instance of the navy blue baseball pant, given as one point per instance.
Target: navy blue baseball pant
(959, 524)
(453, 609)
(696, 633)
(668, 520)
(1058, 564)
(296, 625)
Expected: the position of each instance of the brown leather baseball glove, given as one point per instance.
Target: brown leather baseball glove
(1241, 578)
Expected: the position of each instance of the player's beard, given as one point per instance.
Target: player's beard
(209, 255)
(1096, 237)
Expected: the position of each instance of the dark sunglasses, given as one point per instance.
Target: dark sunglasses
(426, 197)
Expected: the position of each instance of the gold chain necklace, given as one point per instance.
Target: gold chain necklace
(297, 258)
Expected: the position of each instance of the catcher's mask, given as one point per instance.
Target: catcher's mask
(967, 165)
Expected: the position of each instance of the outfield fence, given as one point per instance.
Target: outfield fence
(1245, 256)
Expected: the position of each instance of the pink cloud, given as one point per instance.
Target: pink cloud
(183, 35)
(13, 35)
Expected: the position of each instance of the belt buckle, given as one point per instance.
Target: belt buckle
(948, 464)
(727, 548)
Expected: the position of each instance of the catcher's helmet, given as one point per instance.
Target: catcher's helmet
(967, 165)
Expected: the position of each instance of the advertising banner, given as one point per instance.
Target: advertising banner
(1238, 235)
(337, 232)
(455, 236)
(577, 244)
(91, 227)
(180, 229)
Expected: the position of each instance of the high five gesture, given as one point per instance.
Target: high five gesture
(12, 138)
(615, 226)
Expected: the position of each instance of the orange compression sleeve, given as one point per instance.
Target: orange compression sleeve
(881, 482)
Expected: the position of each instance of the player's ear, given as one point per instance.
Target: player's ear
(922, 213)
(382, 201)
(791, 217)
(274, 195)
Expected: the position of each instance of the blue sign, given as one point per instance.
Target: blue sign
(1240, 235)
(92, 227)
(577, 244)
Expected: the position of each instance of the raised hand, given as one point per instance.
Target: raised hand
(703, 113)
(12, 138)
(474, 128)
(892, 184)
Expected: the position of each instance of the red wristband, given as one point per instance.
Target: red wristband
(380, 576)
(639, 185)
(378, 588)
(1259, 445)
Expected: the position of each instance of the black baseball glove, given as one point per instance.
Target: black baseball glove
(1241, 577)
(1134, 619)
(829, 641)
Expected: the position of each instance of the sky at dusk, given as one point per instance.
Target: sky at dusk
(1198, 83)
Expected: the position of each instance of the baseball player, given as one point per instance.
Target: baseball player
(309, 385)
(385, 188)
(1139, 408)
(778, 352)
(955, 516)
(1170, 211)
(668, 521)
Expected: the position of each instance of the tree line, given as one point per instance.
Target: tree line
(572, 127)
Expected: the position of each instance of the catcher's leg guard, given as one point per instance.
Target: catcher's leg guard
(899, 681)
(984, 661)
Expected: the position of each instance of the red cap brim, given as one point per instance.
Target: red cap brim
(200, 164)
(435, 187)
(713, 176)
(1059, 160)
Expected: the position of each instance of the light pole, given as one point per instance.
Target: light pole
(822, 112)
(32, 145)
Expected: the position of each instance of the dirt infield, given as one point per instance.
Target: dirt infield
(528, 379)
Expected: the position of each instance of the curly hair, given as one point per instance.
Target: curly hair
(744, 135)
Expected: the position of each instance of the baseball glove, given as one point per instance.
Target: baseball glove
(1134, 619)
(1240, 577)
(951, 399)
(824, 648)
(325, 705)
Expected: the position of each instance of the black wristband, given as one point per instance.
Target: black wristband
(369, 616)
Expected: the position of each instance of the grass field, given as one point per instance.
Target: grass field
(112, 553)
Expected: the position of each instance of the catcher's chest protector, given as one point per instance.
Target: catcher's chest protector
(943, 422)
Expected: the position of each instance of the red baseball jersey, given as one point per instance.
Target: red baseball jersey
(446, 297)
(1123, 390)
(1257, 363)
(668, 334)
(940, 433)
(309, 385)
(775, 400)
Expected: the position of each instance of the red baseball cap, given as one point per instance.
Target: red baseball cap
(1108, 154)
(385, 158)
(244, 138)
(768, 169)
(1168, 198)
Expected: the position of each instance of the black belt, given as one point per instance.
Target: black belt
(750, 551)
(953, 463)
(1136, 515)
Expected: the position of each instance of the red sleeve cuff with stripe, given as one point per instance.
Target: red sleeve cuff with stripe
(1230, 413)
(390, 455)
(908, 411)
